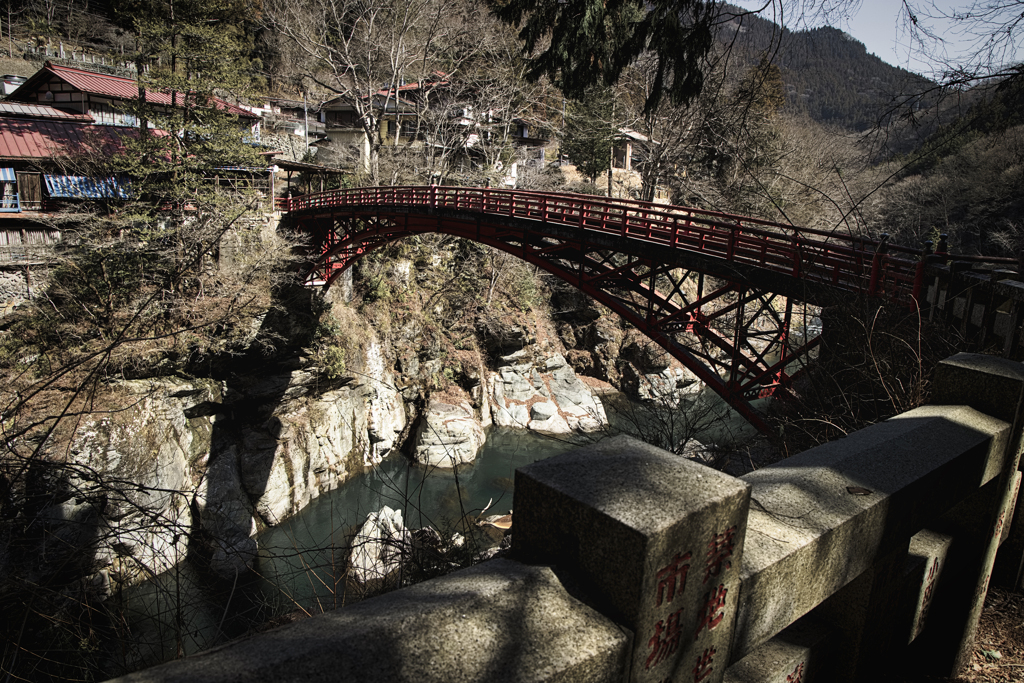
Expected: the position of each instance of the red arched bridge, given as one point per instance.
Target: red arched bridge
(733, 299)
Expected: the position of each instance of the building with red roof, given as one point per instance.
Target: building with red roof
(99, 94)
(61, 112)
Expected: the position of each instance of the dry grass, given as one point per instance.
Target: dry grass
(999, 647)
(17, 66)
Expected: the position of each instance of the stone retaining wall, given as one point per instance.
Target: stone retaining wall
(631, 564)
(18, 285)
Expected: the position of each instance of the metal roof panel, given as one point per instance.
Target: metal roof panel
(39, 111)
(115, 87)
(38, 139)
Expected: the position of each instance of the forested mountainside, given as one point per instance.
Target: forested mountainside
(828, 74)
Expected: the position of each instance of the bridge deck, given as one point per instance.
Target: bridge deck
(634, 257)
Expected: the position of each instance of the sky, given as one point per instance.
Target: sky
(878, 24)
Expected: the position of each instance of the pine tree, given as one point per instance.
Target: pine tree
(590, 132)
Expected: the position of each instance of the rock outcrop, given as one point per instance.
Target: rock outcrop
(378, 547)
(448, 435)
(546, 397)
(228, 460)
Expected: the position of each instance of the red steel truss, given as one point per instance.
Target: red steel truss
(732, 298)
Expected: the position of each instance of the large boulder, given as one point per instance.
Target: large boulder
(546, 397)
(448, 435)
(379, 546)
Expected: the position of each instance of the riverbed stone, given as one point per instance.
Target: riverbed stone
(515, 387)
(570, 406)
(448, 435)
(656, 538)
(379, 546)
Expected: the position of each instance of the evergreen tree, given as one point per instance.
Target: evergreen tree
(590, 42)
(590, 132)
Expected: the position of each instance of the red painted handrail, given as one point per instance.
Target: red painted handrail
(846, 262)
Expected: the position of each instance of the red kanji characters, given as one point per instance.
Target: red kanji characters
(668, 575)
(664, 646)
(798, 674)
(704, 665)
(926, 600)
(713, 612)
(719, 549)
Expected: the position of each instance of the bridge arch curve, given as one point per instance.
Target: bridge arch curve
(720, 293)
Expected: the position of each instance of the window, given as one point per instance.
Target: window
(9, 190)
(107, 115)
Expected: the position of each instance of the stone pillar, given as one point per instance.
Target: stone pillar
(994, 386)
(796, 655)
(655, 541)
(925, 562)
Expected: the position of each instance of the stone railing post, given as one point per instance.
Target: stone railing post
(653, 539)
(994, 386)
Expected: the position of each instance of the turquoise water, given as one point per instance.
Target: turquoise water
(301, 560)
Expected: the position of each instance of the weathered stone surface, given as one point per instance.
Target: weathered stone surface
(227, 515)
(543, 410)
(795, 655)
(378, 548)
(500, 621)
(820, 518)
(568, 405)
(15, 289)
(669, 385)
(924, 565)
(249, 455)
(146, 439)
(649, 357)
(655, 537)
(448, 435)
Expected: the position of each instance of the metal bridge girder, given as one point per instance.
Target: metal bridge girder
(724, 304)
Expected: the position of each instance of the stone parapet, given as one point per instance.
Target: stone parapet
(498, 621)
(859, 556)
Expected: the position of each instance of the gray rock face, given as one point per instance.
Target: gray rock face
(309, 443)
(547, 397)
(378, 547)
(670, 385)
(243, 458)
(448, 435)
(149, 442)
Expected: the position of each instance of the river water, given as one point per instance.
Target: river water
(301, 563)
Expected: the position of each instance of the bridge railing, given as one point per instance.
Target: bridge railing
(636, 565)
(847, 262)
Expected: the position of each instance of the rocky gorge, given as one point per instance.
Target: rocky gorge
(193, 465)
(228, 458)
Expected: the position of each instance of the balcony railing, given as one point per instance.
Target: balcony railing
(10, 203)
